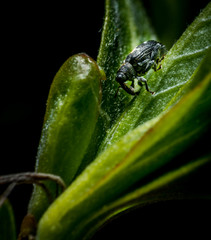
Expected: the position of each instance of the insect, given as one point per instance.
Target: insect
(144, 57)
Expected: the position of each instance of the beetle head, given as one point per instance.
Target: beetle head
(120, 77)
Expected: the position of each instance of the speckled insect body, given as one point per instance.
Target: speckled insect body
(144, 57)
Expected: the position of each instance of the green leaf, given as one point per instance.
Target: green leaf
(126, 25)
(155, 191)
(177, 69)
(135, 155)
(71, 115)
(143, 133)
(7, 222)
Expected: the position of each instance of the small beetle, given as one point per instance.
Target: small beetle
(144, 57)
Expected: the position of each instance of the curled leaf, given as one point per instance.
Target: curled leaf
(71, 115)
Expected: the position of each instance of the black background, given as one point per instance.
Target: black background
(36, 39)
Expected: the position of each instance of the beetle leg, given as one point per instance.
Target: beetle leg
(150, 64)
(140, 83)
(132, 84)
(142, 63)
(129, 89)
(140, 80)
(157, 67)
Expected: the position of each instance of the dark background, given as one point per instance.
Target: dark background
(36, 39)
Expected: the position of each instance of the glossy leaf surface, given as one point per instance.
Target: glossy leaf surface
(71, 115)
